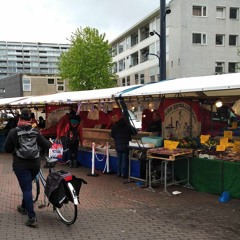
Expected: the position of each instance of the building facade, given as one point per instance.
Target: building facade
(32, 67)
(202, 38)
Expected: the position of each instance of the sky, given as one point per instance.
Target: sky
(54, 21)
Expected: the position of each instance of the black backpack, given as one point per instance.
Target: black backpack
(28, 147)
(72, 135)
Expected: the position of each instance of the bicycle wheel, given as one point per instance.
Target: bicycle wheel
(68, 211)
(35, 189)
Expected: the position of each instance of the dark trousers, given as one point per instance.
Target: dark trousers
(72, 152)
(25, 178)
(122, 164)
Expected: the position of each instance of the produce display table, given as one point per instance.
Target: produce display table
(165, 156)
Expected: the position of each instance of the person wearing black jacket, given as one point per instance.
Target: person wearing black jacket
(25, 169)
(121, 133)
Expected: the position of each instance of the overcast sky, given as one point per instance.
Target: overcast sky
(53, 21)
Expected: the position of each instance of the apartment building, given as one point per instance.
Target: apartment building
(32, 67)
(202, 38)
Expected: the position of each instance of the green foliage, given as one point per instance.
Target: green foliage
(87, 64)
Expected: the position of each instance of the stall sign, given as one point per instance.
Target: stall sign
(224, 141)
(180, 120)
(54, 113)
(171, 145)
(220, 148)
(228, 134)
(204, 138)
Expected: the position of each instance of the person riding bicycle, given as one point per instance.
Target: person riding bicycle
(25, 169)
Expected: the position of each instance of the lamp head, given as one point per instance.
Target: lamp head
(168, 11)
(151, 33)
(218, 103)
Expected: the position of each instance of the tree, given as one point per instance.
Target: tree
(87, 64)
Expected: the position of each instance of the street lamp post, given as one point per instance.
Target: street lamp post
(162, 40)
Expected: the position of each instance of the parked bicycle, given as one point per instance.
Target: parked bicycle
(68, 208)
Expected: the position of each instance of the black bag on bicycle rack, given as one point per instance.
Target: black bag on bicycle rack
(77, 184)
(56, 188)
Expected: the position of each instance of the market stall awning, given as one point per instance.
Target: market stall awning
(73, 97)
(8, 101)
(226, 85)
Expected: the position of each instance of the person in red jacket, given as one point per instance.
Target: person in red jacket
(61, 134)
(73, 133)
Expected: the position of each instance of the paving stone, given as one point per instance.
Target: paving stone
(110, 209)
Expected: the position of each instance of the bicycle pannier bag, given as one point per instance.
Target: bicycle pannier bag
(28, 147)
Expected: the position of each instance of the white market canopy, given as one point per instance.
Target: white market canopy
(72, 97)
(8, 101)
(214, 86)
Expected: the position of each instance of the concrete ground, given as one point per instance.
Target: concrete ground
(112, 210)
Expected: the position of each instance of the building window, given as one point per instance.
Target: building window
(26, 84)
(152, 74)
(141, 78)
(232, 67)
(219, 68)
(121, 47)
(136, 79)
(121, 65)
(134, 59)
(123, 82)
(60, 85)
(233, 40)
(221, 12)
(199, 11)
(144, 32)
(233, 13)
(144, 54)
(134, 38)
(219, 39)
(51, 81)
(128, 81)
(199, 38)
(114, 51)
(114, 68)
(128, 41)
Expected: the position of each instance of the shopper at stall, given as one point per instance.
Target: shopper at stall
(73, 132)
(34, 120)
(61, 134)
(41, 122)
(156, 124)
(121, 133)
(26, 161)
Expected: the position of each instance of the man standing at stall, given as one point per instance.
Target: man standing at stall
(121, 133)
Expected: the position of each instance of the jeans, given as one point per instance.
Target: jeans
(25, 177)
(122, 164)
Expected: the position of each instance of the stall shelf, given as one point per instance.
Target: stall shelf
(165, 156)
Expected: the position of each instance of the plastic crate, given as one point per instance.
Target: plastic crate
(157, 141)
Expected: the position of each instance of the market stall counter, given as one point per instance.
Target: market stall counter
(102, 140)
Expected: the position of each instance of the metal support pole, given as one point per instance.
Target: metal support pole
(162, 40)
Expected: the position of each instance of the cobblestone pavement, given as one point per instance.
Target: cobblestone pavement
(112, 210)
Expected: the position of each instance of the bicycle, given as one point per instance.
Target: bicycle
(68, 210)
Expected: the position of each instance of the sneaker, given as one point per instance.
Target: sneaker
(22, 210)
(32, 222)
